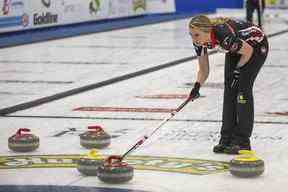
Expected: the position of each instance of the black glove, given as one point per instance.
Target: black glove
(235, 80)
(194, 94)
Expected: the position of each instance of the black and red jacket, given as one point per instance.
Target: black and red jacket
(228, 36)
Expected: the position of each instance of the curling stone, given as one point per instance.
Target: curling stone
(115, 171)
(246, 165)
(23, 142)
(89, 164)
(95, 137)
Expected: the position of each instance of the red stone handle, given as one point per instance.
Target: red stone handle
(19, 131)
(111, 159)
(115, 161)
(96, 128)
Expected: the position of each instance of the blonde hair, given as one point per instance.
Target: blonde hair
(204, 23)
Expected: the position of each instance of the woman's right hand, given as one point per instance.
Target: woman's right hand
(194, 94)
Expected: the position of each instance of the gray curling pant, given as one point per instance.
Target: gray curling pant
(238, 104)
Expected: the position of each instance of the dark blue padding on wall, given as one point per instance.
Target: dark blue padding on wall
(230, 4)
(206, 5)
(184, 6)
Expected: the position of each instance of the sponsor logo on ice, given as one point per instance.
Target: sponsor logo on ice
(152, 163)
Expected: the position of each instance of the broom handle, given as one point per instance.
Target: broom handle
(145, 137)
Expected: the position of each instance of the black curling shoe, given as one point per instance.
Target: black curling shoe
(221, 147)
(234, 148)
